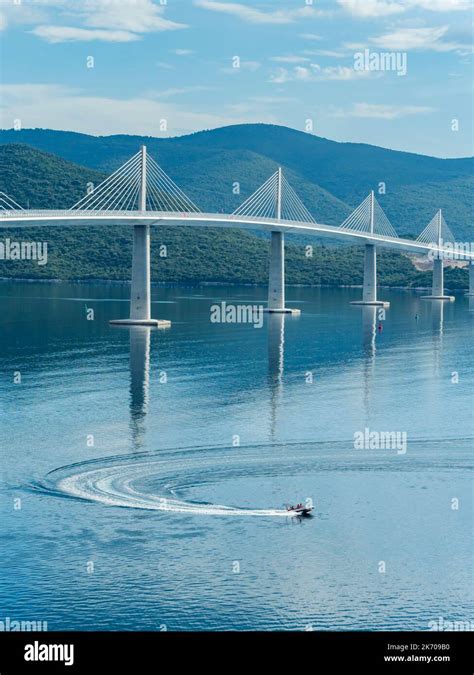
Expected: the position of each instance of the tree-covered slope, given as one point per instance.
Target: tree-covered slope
(40, 180)
(208, 163)
(193, 255)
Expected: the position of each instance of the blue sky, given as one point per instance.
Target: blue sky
(175, 60)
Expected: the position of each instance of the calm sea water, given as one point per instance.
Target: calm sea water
(153, 466)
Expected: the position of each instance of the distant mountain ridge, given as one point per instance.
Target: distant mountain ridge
(330, 177)
(42, 180)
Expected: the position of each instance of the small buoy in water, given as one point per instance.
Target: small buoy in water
(380, 327)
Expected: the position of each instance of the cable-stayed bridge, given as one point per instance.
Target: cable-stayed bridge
(141, 194)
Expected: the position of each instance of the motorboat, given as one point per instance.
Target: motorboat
(299, 510)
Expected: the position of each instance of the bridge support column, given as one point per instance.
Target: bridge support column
(470, 292)
(276, 278)
(140, 296)
(437, 290)
(369, 293)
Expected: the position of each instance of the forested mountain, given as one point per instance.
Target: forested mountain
(332, 178)
(35, 178)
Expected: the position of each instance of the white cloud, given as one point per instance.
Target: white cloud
(427, 39)
(376, 8)
(258, 16)
(280, 76)
(291, 58)
(105, 20)
(273, 99)
(442, 5)
(22, 13)
(55, 34)
(137, 16)
(385, 112)
(182, 52)
(345, 73)
(371, 8)
(57, 107)
(331, 53)
(354, 45)
(315, 73)
(310, 36)
(177, 91)
(302, 73)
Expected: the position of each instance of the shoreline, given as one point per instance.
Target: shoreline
(198, 284)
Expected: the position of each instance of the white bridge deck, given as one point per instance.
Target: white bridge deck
(42, 218)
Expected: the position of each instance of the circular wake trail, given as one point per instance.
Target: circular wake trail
(127, 485)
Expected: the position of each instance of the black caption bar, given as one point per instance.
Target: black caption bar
(87, 652)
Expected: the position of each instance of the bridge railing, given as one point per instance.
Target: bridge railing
(80, 215)
(288, 225)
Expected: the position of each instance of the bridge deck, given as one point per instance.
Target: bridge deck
(20, 218)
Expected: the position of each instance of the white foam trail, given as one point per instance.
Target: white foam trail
(114, 486)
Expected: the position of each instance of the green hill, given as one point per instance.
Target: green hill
(332, 178)
(42, 180)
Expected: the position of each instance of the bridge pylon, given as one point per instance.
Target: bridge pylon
(277, 200)
(140, 292)
(369, 289)
(9, 204)
(442, 231)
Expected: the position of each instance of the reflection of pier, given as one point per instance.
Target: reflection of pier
(139, 381)
(437, 316)
(369, 337)
(276, 355)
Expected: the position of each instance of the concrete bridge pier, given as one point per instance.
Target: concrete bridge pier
(369, 293)
(140, 295)
(437, 290)
(470, 292)
(276, 278)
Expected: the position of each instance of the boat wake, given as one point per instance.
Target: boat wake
(152, 482)
(174, 480)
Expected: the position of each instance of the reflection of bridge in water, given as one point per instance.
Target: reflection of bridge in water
(276, 364)
(140, 338)
(139, 381)
(141, 194)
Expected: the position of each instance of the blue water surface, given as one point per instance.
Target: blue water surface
(144, 472)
